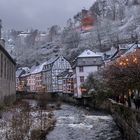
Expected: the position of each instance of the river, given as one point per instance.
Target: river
(75, 123)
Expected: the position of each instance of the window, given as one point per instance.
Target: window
(81, 69)
(82, 79)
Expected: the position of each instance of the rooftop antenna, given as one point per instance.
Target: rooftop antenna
(0, 27)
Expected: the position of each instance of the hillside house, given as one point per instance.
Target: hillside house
(86, 63)
(19, 76)
(35, 80)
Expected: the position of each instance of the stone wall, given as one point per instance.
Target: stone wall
(7, 92)
(127, 119)
(7, 77)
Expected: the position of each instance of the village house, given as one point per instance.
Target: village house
(24, 83)
(20, 77)
(116, 53)
(35, 80)
(51, 70)
(7, 75)
(86, 63)
(67, 82)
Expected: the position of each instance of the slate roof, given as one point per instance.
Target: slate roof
(129, 48)
(22, 71)
(132, 48)
(19, 72)
(39, 68)
(50, 61)
(88, 53)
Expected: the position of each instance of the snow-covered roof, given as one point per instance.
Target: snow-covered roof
(111, 51)
(23, 34)
(52, 60)
(19, 72)
(26, 69)
(132, 48)
(43, 34)
(22, 70)
(38, 68)
(88, 53)
(24, 75)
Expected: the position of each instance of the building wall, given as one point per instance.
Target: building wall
(39, 82)
(59, 66)
(7, 77)
(31, 82)
(86, 71)
(17, 83)
(48, 80)
(68, 85)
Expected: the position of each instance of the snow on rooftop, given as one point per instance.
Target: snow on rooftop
(51, 60)
(88, 53)
(132, 48)
(38, 68)
(26, 69)
(22, 70)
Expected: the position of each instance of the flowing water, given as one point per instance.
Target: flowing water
(74, 123)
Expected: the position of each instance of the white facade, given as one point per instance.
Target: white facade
(86, 63)
(79, 75)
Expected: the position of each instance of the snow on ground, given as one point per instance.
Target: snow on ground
(35, 116)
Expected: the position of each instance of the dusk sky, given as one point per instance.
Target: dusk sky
(40, 14)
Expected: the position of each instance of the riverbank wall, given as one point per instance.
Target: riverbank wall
(126, 118)
(36, 96)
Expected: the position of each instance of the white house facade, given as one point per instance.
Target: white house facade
(86, 63)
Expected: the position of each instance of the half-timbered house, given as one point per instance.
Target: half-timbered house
(86, 63)
(35, 80)
(52, 69)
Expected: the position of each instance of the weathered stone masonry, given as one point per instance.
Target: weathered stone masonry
(127, 119)
(7, 77)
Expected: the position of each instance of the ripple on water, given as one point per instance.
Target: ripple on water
(74, 124)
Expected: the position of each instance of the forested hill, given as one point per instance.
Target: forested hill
(115, 21)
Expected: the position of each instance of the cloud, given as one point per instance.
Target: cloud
(41, 14)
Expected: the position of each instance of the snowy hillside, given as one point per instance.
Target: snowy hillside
(117, 21)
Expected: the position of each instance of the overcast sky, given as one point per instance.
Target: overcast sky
(40, 14)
